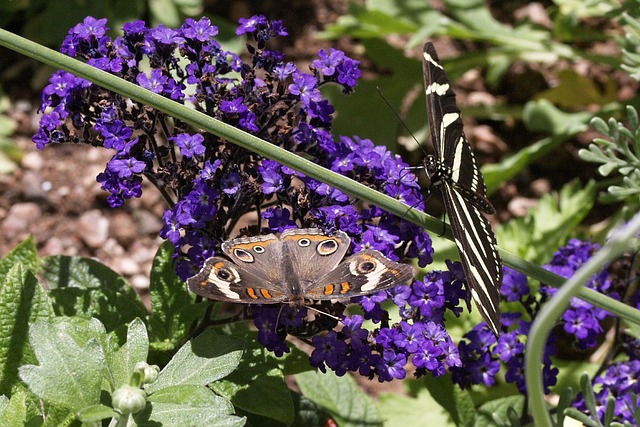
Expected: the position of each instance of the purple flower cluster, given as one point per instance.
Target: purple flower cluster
(419, 337)
(582, 320)
(482, 354)
(212, 186)
(620, 383)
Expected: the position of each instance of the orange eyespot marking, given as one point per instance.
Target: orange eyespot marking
(252, 293)
(218, 265)
(204, 283)
(265, 294)
(328, 289)
(345, 287)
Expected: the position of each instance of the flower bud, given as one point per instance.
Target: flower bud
(128, 399)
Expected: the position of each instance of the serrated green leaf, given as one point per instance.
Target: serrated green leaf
(341, 397)
(22, 302)
(258, 385)
(120, 364)
(70, 374)
(458, 403)
(85, 287)
(95, 413)
(403, 411)
(202, 360)
(172, 308)
(25, 253)
(485, 414)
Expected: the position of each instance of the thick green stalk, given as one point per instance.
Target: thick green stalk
(250, 142)
(552, 310)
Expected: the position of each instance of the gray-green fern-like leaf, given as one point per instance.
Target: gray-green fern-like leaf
(618, 156)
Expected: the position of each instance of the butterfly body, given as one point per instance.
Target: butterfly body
(299, 265)
(454, 170)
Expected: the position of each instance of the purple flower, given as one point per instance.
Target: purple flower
(190, 145)
(250, 25)
(218, 190)
(201, 30)
(348, 72)
(305, 87)
(514, 285)
(233, 107)
(231, 183)
(155, 83)
(126, 167)
(391, 366)
(327, 62)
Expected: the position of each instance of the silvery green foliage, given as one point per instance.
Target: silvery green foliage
(619, 157)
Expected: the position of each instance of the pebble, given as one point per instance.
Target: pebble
(19, 219)
(93, 229)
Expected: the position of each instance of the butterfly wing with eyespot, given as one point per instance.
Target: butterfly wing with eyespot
(312, 253)
(363, 273)
(254, 276)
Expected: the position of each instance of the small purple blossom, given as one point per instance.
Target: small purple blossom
(190, 145)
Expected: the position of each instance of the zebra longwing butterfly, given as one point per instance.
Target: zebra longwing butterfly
(454, 170)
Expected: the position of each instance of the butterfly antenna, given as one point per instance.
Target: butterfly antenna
(404, 125)
(278, 317)
(325, 313)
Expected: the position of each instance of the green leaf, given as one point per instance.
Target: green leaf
(193, 394)
(458, 403)
(188, 405)
(121, 362)
(485, 415)
(543, 116)
(575, 91)
(204, 359)
(308, 413)
(22, 302)
(341, 397)
(70, 373)
(497, 173)
(95, 413)
(549, 224)
(403, 411)
(172, 308)
(258, 385)
(14, 411)
(85, 287)
(25, 253)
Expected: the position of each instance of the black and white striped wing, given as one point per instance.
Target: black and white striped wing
(455, 171)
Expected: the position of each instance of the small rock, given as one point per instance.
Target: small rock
(123, 229)
(519, 206)
(20, 218)
(126, 267)
(93, 229)
(140, 282)
(147, 223)
(32, 160)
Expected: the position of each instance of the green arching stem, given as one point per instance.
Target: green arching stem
(552, 310)
(250, 142)
(548, 315)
